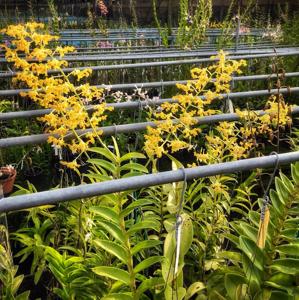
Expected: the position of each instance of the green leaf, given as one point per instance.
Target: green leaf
(286, 265)
(114, 249)
(113, 229)
(23, 296)
(281, 189)
(113, 273)
(231, 255)
(105, 212)
(276, 203)
(254, 218)
(193, 289)
(279, 295)
(232, 284)
(120, 296)
(16, 283)
(232, 238)
(149, 284)
(133, 205)
(132, 155)
(295, 172)
(116, 149)
(147, 263)
(145, 245)
(186, 234)
(146, 224)
(288, 184)
(249, 231)
(282, 279)
(134, 166)
(289, 249)
(105, 152)
(103, 163)
(252, 251)
(179, 293)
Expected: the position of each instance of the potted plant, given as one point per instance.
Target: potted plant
(7, 178)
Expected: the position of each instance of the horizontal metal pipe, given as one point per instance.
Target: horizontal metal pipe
(158, 84)
(167, 55)
(137, 182)
(123, 128)
(162, 63)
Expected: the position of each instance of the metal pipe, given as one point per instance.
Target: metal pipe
(163, 55)
(167, 63)
(123, 128)
(137, 182)
(125, 86)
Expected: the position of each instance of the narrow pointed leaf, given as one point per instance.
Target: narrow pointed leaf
(105, 152)
(114, 249)
(252, 251)
(286, 265)
(147, 263)
(113, 273)
(105, 212)
(113, 229)
(132, 155)
(145, 245)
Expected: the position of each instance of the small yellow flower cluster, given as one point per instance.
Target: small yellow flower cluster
(32, 58)
(176, 121)
(223, 145)
(276, 113)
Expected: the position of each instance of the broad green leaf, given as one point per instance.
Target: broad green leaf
(147, 263)
(145, 224)
(231, 255)
(232, 238)
(287, 183)
(286, 265)
(289, 249)
(290, 233)
(105, 152)
(133, 205)
(132, 155)
(171, 294)
(113, 273)
(249, 231)
(151, 283)
(252, 251)
(277, 204)
(113, 229)
(193, 289)
(145, 245)
(214, 295)
(295, 172)
(282, 279)
(253, 275)
(254, 218)
(232, 284)
(114, 249)
(23, 296)
(186, 234)
(105, 212)
(120, 296)
(134, 166)
(103, 163)
(282, 191)
(16, 283)
(279, 295)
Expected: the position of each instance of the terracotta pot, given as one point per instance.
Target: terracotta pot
(7, 178)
